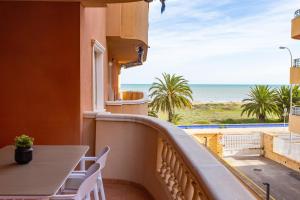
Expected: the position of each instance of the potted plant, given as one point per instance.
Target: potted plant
(23, 151)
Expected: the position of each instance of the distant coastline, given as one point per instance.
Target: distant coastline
(207, 93)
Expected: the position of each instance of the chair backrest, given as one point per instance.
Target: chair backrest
(102, 156)
(89, 182)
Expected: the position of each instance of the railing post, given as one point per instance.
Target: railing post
(268, 190)
(163, 157)
(172, 169)
(169, 163)
(197, 192)
(188, 192)
(168, 157)
(181, 183)
(175, 178)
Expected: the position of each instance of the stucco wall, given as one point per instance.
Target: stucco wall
(133, 155)
(294, 124)
(295, 32)
(40, 71)
(213, 142)
(93, 26)
(269, 153)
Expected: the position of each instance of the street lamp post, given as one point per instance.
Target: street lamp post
(291, 86)
(290, 54)
(291, 89)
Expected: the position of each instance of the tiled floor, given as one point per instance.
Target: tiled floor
(123, 191)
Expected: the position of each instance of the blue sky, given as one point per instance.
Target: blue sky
(221, 41)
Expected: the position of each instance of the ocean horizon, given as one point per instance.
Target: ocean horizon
(207, 92)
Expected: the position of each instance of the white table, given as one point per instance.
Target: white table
(43, 176)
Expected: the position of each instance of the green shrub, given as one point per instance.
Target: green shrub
(24, 141)
(201, 122)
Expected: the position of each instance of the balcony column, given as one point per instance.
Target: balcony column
(170, 156)
(116, 70)
(198, 195)
(181, 182)
(163, 157)
(174, 188)
(172, 170)
(188, 192)
(166, 156)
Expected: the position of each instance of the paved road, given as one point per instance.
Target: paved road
(285, 183)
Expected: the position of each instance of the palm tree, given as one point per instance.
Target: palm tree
(152, 113)
(260, 102)
(282, 98)
(169, 93)
(176, 119)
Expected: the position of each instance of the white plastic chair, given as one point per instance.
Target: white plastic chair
(88, 184)
(100, 159)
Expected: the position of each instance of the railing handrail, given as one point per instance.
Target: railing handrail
(296, 62)
(207, 170)
(297, 13)
(127, 102)
(131, 93)
(296, 110)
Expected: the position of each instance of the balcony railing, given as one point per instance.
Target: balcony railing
(132, 95)
(164, 160)
(132, 102)
(296, 110)
(296, 62)
(297, 13)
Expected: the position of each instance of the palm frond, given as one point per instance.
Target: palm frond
(169, 93)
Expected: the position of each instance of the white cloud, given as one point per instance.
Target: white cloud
(208, 43)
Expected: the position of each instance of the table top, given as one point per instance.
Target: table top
(44, 175)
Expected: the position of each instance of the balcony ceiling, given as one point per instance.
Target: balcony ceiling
(124, 50)
(127, 29)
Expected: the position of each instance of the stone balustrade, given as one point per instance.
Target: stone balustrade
(162, 159)
(176, 176)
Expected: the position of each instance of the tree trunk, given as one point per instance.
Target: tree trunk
(170, 116)
(262, 118)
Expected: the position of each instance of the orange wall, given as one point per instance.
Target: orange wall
(93, 26)
(40, 72)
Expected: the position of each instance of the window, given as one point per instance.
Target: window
(98, 76)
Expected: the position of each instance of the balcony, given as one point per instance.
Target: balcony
(295, 33)
(294, 120)
(295, 72)
(131, 103)
(161, 159)
(127, 30)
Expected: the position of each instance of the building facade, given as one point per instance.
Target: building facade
(60, 63)
(294, 118)
(62, 59)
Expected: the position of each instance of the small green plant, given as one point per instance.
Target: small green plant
(24, 141)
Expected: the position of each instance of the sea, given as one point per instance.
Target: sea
(204, 93)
